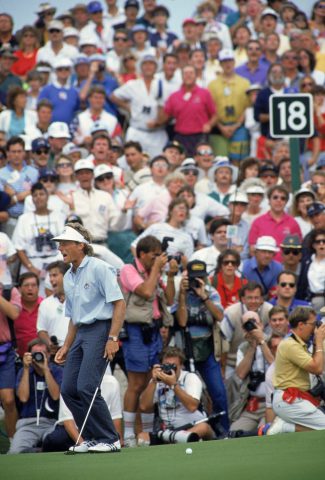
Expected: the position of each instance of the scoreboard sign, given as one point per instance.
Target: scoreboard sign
(291, 115)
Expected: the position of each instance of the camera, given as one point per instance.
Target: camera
(193, 283)
(177, 257)
(101, 67)
(255, 379)
(318, 390)
(168, 368)
(249, 325)
(38, 357)
(177, 436)
(45, 240)
(165, 243)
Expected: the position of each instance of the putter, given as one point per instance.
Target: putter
(72, 452)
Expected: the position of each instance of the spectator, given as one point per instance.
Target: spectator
(15, 119)
(131, 10)
(45, 14)
(238, 238)
(80, 15)
(34, 82)
(255, 208)
(58, 136)
(26, 54)
(40, 403)
(7, 38)
(302, 200)
(40, 153)
(161, 38)
(295, 407)
(276, 222)
(254, 70)
(250, 298)
(241, 36)
(306, 66)
(115, 56)
(226, 279)
(286, 292)
(140, 98)
(201, 205)
(44, 111)
(253, 359)
(222, 177)
(8, 79)
(180, 390)
(149, 7)
(139, 282)
(250, 123)
(100, 150)
(140, 43)
(271, 46)
(55, 47)
(291, 250)
(262, 268)
(64, 99)
(98, 27)
(138, 172)
(174, 153)
(204, 160)
(279, 320)
(268, 24)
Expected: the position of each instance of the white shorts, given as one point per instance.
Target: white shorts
(152, 142)
(300, 412)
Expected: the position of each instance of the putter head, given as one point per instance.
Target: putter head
(70, 452)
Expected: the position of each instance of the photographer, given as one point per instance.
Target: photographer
(38, 390)
(253, 359)
(294, 401)
(146, 301)
(177, 394)
(200, 310)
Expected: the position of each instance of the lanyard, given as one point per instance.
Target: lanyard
(38, 409)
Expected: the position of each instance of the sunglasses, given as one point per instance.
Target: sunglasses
(295, 252)
(28, 35)
(54, 30)
(120, 39)
(204, 152)
(279, 197)
(320, 241)
(268, 175)
(290, 58)
(63, 68)
(307, 84)
(190, 172)
(64, 165)
(48, 179)
(106, 176)
(230, 262)
(287, 284)
(42, 150)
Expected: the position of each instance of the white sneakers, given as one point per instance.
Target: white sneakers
(276, 426)
(83, 447)
(102, 447)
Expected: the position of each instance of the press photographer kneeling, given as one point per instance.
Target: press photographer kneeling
(177, 394)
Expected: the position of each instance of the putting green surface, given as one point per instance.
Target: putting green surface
(289, 457)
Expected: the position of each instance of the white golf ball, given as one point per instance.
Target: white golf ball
(188, 451)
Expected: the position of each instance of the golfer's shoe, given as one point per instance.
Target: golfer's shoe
(276, 426)
(103, 447)
(83, 447)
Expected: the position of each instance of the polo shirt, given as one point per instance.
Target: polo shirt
(90, 291)
(65, 102)
(295, 303)
(229, 95)
(191, 110)
(5, 335)
(25, 326)
(259, 75)
(267, 225)
(291, 359)
(269, 274)
(51, 318)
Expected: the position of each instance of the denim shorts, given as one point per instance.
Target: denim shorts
(8, 371)
(140, 357)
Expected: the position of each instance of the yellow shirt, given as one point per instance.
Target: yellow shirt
(230, 97)
(291, 360)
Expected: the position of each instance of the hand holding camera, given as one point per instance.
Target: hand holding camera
(165, 373)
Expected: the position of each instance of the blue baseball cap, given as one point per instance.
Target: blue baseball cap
(132, 3)
(94, 7)
(139, 28)
(315, 209)
(40, 143)
(47, 172)
(82, 59)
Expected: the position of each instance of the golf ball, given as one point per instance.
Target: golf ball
(188, 451)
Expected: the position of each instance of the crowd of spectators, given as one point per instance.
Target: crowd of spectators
(159, 144)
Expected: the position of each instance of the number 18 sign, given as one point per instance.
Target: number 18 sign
(291, 115)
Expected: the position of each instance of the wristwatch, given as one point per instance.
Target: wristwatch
(113, 338)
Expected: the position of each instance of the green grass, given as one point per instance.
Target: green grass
(288, 457)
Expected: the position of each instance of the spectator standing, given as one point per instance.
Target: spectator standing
(55, 47)
(7, 79)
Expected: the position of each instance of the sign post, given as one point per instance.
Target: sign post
(291, 116)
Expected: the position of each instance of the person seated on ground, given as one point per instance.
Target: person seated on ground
(38, 390)
(177, 394)
(66, 432)
(253, 358)
(294, 402)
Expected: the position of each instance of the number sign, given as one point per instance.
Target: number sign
(291, 115)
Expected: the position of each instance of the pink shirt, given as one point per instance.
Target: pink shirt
(191, 110)
(25, 327)
(130, 279)
(5, 335)
(267, 225)
(156, 210)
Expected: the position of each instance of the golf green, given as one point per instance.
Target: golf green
(290, 456)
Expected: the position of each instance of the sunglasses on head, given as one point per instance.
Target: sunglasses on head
(106, 176)
(294, 251)
(287, 284)
(39, 151)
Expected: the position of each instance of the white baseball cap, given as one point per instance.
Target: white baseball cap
(58, 130)
(62, 62)
(238, 197)
(226, 54)
(255, 189)
(84, 164)
(71, 234)
(266, 242)
(101, 170)
(70, 32)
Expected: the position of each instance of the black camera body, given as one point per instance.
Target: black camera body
(165, 242)
(255, 379)
(45, 240)
(193, 283)
(38, 357)
(250, 325)
(318, 390)
(177, 257)
(168, 368)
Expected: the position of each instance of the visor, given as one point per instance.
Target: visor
(70, 234)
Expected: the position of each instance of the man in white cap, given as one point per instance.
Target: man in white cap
(56, 47)
(141, 97)
(96, 318)
(238, 234)
(262, 268)
(222, 176)
(229, 94)
(58, 136)
(64, 98)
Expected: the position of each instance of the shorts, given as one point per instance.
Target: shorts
(140, 357)
(8, 371)
(300, 412)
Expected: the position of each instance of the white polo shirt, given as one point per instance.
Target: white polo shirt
(7, 250)
(51, 318)
(146, 192)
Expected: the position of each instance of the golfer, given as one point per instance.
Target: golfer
(95, 305)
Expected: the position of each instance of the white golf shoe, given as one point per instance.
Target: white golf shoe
(103, 447)
(83, 447)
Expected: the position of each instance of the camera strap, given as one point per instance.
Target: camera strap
(39, 386)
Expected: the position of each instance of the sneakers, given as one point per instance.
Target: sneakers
(83, 447)
(130, 442)
(105, 447)
(276, 426)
